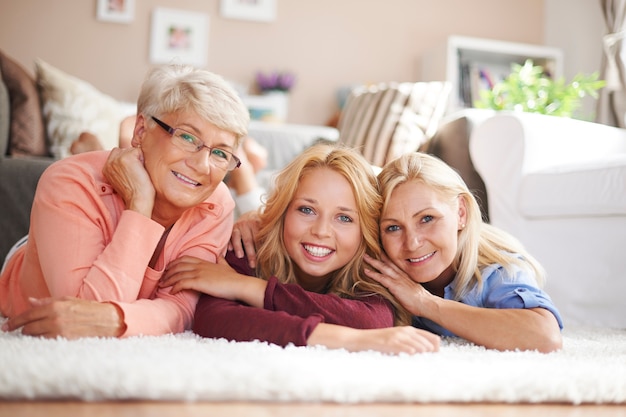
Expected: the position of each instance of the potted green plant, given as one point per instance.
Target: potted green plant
(528, 88)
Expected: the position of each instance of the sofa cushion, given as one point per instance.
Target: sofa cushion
(357, 114)
(27, 132)
(72, 106)
(388, 119)
(576, 190)
(381, 132)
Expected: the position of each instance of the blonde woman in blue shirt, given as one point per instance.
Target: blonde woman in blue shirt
(457, 275)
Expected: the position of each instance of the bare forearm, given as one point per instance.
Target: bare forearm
(502, 329)
(331, 336)
(251, 291)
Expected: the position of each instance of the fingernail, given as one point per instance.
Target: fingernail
(5, 326)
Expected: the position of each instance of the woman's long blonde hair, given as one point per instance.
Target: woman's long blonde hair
(480, 244)
(272, 257)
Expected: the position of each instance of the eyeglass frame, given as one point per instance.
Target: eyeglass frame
(233, 163)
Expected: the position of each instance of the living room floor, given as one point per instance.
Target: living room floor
(177, 409)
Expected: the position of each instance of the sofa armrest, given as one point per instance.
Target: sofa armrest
(508, 147)
(557, 184)
(18, 181)
(535, 142)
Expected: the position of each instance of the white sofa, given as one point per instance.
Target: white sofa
(559, 185)
(284, 141)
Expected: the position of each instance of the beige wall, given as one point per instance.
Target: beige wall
(327, 43)
(580, 38)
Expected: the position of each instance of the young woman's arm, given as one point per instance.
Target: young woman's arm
(394, 340)
(367, 312)
(219, 318)
(216, 279)
(223, 281)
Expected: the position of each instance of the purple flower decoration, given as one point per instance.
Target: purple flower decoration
(286, 80)
(275, 81)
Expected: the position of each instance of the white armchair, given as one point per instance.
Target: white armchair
(559, 185)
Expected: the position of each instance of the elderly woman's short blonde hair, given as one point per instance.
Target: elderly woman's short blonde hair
(182, 88)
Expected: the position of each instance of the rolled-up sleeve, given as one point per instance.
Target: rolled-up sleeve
(503, 290)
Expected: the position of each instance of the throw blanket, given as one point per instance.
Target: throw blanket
(591, 368)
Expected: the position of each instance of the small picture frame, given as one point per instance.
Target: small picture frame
(255, 10)
(117, 11)
(179, 36)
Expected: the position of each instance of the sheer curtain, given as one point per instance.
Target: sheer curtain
(611, 109)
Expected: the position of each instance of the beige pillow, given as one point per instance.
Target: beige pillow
(72, 106)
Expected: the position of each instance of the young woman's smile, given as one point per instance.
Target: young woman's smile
(322, 232)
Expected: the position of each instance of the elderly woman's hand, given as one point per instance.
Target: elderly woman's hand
(125, 171)
(69, 317)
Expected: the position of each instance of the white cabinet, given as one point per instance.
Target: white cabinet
(471, 64)
(268, 107)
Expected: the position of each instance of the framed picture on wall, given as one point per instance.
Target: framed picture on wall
(119, 11)
(179, 36)
(258, 10)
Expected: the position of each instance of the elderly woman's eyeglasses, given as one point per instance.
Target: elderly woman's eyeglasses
(188, 142)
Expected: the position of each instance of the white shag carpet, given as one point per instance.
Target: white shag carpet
(591, 368)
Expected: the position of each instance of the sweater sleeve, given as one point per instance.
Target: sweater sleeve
(85, 248)
(366, 312)
(220, 318)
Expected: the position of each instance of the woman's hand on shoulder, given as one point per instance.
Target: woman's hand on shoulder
(244, 235)
(217, 279)
(125, 171)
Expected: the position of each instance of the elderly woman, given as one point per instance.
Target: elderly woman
(105, 225)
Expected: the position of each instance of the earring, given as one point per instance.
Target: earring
(463, 226)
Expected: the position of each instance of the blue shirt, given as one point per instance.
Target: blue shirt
(500, 289)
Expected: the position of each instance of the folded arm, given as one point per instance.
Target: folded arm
(219, 318)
